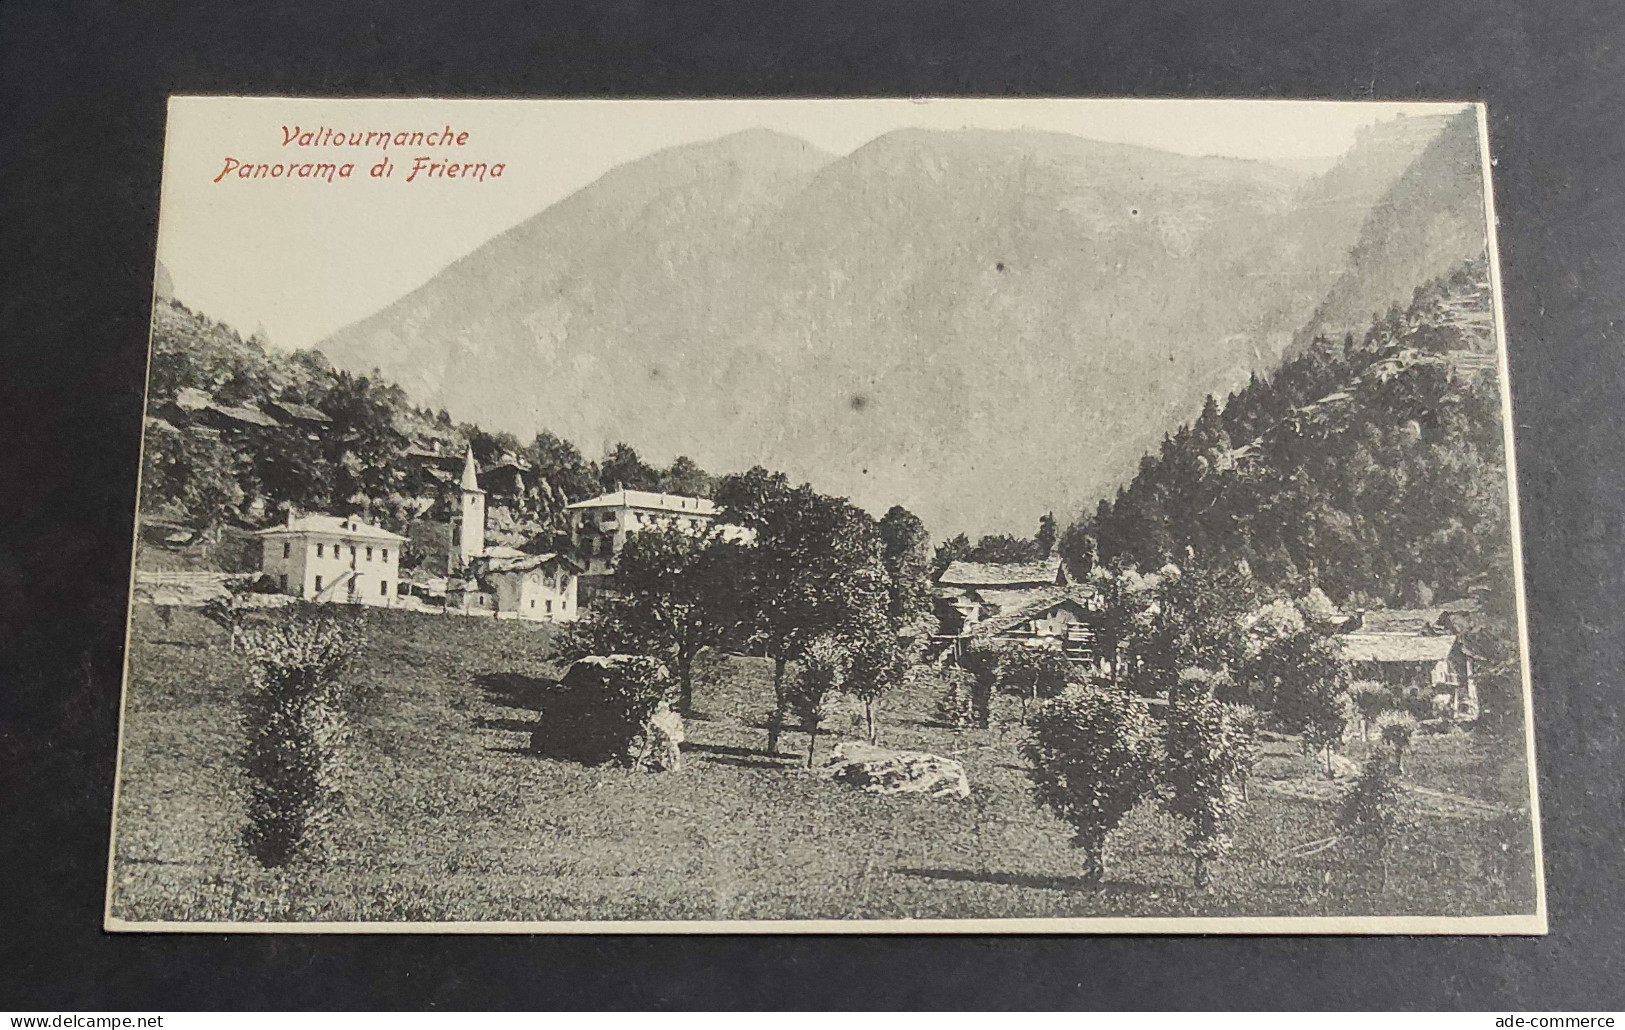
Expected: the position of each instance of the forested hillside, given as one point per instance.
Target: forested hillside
(1373, 468)
(236, 433)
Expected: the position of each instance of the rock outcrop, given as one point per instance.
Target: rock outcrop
(878, 770)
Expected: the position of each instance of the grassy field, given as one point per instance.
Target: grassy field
(448, 817)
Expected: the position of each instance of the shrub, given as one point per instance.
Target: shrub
(1031, 673)
(1374, 811)
(825, 668)
(1396, 729)
(295, 731)
(602, 709)
(1370, 699)
(981, 660)
(1208, 750)
(956, 705)
(1093, 756)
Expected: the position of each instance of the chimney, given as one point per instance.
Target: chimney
(290, 516)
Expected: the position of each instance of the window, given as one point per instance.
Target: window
(533, 602)
(318, 581)
(319, 551)
(386, 554)
(549, 606)
(287, 549)
(383, 588)
(369, 554)
(352, 552)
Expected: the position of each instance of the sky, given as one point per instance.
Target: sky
(301, 258)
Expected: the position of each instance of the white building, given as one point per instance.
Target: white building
(325, 558)
(599, 527)
(503, 581)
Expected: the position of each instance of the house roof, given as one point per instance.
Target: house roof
(244, 414)
(1396, 647)
(1413, 620)
(993, 574)
(300, 412)
(532, 561)
(330, 525)
(1010, 600)
(502, 551)
(1038, 603)
(650, 501)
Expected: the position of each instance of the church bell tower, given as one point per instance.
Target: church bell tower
(468, 533)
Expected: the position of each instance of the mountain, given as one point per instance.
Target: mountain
(979, 325)
(1429, 221)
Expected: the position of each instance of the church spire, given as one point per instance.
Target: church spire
(471, 471)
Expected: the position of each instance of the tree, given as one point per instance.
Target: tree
(208, 471)
(362, 445)
(1048, 533)
(1003, 547)
(1093, 757)
(878, 661)
(686, 477)
(1079, 550)
(1319, 707)
(622, 469)
(825, 663)
(949, 551)
(1370, 699)
(1208, 752)
(676, 593)
(981, 660)
(905, 552)
(1396, 730)
(1031, 673)
(558, 463)
(807, 556)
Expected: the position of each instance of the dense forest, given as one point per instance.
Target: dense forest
(238, 432)
(1373, 469)
(1371, 472)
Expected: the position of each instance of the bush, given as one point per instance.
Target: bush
(1031, 673)
(295, 731)
(1396, 730)
(1094, 757)
(982, 660)
(1375, 811)
(956, 706)
(602, 709)
(1371, 699)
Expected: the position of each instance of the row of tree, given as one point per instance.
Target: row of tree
(820, 583)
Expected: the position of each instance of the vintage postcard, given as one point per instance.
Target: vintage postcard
(826, 515)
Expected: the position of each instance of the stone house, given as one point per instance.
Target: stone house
(1426, 663)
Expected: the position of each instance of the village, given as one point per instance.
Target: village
(328, 559)
(385, 665)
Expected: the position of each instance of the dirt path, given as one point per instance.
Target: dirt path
(1439, 803)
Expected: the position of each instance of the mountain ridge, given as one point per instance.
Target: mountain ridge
(865, 321)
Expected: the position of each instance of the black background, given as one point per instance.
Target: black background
(83, 87)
